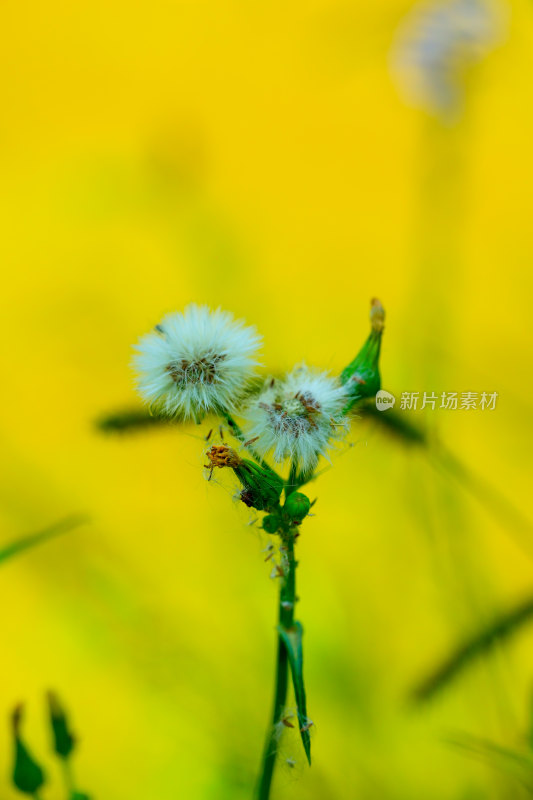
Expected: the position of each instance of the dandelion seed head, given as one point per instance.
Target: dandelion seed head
(435, 44)
(195, 362)
(298, 417)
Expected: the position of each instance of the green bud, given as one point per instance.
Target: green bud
(271, 523)
(297, 506)
(28, 776)
(64, 741)
(261, 486)
(361, 377)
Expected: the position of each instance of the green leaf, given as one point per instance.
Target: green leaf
(130, 420)
(28, 776)
(502, 627)
(292, 639)
(63, 739)
(79, 796)
(26, 542)
(399, 425)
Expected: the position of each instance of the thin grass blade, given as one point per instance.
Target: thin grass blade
(503, 627)
(26, 542)
(513, 762)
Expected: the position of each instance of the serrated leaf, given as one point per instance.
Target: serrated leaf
(26, 542)
(292, 639)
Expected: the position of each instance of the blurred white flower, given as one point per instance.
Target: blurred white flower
(298, 417)
(435, 44)
(197, 361)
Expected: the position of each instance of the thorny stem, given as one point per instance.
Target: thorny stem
(287, 600)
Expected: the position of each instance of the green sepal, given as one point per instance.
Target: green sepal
(361, 377)
(261, 488)
(292, 639)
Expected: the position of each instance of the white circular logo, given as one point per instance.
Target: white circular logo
(384, 400)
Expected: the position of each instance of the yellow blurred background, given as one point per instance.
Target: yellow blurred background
(258, 157)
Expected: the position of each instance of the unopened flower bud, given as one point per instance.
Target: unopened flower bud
(297, 506)
(361, 378)
(377, 315)
(261, 487)
(64, 741)
(28, 776)
(271, 523)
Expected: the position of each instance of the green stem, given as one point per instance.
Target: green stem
(298, 479)
(68, 777)
(292, 482)
(287, 600)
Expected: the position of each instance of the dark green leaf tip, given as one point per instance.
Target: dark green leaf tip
(63, 739)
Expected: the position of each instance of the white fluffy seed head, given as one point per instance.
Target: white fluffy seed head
(197, 361)
(436, 42)
(297, 418)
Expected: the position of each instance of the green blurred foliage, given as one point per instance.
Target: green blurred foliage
(258, 157)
